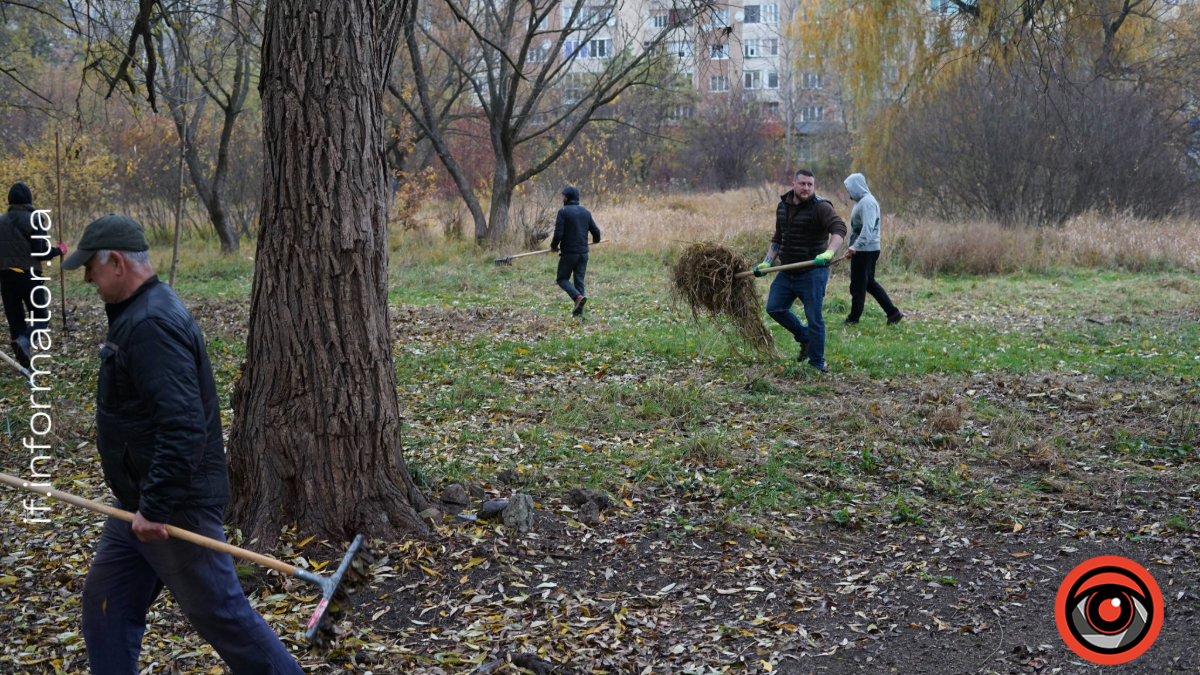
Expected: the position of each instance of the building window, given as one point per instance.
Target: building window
(769, 13)
(810, 81)
(771, 108)
(660, 20)
(752, 79)
(574, 86)
(588, 15)
(812, 113)
(718, 18)
(750, 48)
(718, 83)
(538, 55)
(600, 48)
(772, 80)
(679, 112)
(681, 49)
(770, 47)
(683, 80)
(718, 52)
(753, 15)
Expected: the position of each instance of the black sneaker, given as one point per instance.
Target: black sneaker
(803, 355)
(23, 350)
(579, 303)
(847, 323)
(821, 368)
(895, 318)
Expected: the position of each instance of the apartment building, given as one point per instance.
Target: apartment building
(743, 46)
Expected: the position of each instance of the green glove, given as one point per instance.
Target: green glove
(823, 259)
(758, 269)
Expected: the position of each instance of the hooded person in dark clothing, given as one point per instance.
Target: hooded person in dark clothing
(571, 229)
(24, 245)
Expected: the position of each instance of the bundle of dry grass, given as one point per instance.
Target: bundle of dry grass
(705, 278)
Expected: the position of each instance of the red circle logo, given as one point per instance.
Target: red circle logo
(1109, 610)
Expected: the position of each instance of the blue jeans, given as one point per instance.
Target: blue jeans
(127, 575)
(572, 265)
(807, 286)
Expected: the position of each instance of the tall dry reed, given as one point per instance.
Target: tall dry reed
(745, 219)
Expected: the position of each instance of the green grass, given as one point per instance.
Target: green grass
(636, 395)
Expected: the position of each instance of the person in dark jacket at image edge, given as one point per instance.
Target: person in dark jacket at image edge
(806, 228)
(158, 431)
(24, 245)
(571, 229)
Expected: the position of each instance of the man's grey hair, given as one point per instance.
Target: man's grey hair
(134, 258)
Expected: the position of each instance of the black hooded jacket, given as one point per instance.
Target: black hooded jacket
(22, 244)
(158, 418)
(572, 226)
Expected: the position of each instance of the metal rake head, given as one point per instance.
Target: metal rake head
(335, 598)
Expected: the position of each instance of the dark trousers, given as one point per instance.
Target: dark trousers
(809, 288)
(15, 288)
(126, 576)
(862, 281)
(572, 265)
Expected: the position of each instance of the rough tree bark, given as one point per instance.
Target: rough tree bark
(315, 439)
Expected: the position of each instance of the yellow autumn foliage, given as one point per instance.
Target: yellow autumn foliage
(87, 174)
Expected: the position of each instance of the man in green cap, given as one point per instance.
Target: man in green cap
(158, 431)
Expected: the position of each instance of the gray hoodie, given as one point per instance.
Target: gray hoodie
(864, 219)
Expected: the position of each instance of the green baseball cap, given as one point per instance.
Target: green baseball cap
(112, 233)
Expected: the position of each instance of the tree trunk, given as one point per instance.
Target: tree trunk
(222, 224)
(209, 193)
(498, 215)
(315, 439)
(502, 192)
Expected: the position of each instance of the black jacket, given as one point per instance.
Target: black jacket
(572, 226)
(20, 240)
(802, 230)
(158, 419)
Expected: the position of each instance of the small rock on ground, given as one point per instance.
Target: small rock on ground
(579, 496)
(508, 477)
(456, 494)
(491, 509)
(519, 513)
(589, 514)
(431, 516)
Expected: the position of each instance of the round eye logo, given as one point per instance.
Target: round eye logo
(1109, 610)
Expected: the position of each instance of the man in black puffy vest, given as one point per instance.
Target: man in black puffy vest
(158, 431)
(571, 229)
(24, 245)
(806, 228)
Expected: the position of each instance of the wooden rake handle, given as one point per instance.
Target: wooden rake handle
(178, 533)
(545, 250)
(783, 268)
(13, 362)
